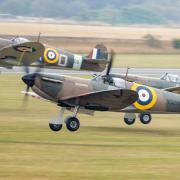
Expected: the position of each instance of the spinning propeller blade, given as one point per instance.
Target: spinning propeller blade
(111, 60)
(29, 79)
(107, 78)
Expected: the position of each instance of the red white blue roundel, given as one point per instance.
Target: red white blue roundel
(145, 95)
(51, 55)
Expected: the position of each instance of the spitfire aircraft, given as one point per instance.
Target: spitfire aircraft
(166, 81)
(22, 52)
(102, 93)
(58, 58)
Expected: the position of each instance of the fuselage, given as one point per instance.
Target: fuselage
(58, 58)
(55, 88)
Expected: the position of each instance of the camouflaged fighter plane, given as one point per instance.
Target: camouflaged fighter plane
(166, 81)
(101, 93)
(21, 52)
(58, 58)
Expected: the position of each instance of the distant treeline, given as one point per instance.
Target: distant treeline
(106, 11)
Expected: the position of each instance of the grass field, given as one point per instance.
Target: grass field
(113, 32)
(148, 60)
(103, 148)
(82, 38)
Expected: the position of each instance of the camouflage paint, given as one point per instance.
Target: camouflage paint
(63, 87)
(57, 58)
(48, 57)
(148, 81)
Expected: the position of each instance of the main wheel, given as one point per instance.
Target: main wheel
(72, 124)
(129, 118)
(55, 127)
(129, 121)
(145, 118)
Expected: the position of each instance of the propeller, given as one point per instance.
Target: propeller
(107, 78)
(111, 60)
(39, 36)
(28, 78)
(26, 72)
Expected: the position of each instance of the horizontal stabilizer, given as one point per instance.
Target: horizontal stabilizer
(95, 61)
(97, 65)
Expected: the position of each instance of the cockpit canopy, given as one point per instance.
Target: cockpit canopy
(171, 78)
(113, 81)
(19, 40)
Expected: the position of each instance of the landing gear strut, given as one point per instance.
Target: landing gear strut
(145, 118)
(72, 123)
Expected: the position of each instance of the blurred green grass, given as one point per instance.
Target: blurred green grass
(147, 60)
(103, 148)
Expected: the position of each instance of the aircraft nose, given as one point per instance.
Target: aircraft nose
(29, 79)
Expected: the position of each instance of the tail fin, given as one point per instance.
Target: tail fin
(98, 52)
(97, 59)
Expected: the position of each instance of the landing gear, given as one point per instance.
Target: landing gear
(57, 124)
(129, 118)
(72, 123)
(145, 118)
(55, 127)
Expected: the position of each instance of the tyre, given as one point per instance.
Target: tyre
(129, 118)
(145, 118)
(72, 124)
(129, 121)
(55, 127)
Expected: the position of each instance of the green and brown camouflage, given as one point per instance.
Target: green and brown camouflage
(19, 52)
(58, 58)
(22, 52)
(169, 83)
(98, 95)
(102, 93)
(166, 81)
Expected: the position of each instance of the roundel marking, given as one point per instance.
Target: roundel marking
(51, 55)
(147, 97)
(24, 49)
